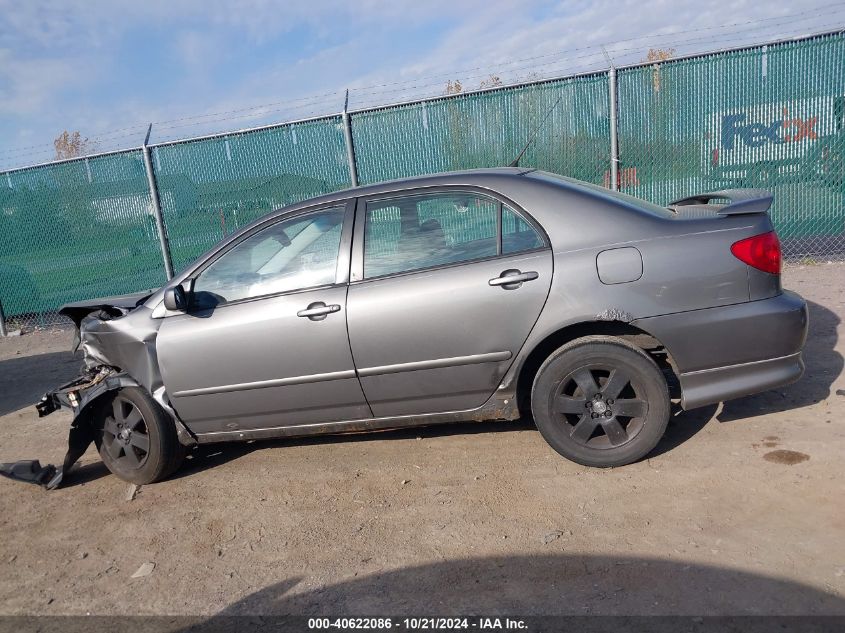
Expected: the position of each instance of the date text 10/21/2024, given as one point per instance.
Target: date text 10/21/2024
(418, 623)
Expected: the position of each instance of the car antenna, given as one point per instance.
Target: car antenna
(515, 162)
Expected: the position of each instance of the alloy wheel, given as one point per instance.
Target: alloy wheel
(604, 407)
(126, 438)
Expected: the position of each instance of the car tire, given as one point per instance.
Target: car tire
(136, 438)
(600, 401)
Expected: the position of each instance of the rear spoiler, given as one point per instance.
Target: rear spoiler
(739, 201)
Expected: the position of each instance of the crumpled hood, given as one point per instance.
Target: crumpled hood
(115, 306)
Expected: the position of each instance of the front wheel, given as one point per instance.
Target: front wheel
(136, 438)
(600, 401)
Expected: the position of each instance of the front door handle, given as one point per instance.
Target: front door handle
(318, 310)
(512, 278)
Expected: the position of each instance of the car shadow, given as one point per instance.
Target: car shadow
(823, 365)
(682, 426)
(82, 474)
(23, 380)
(537, 585)
(210, 455)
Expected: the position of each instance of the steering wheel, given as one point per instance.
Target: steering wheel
(248, 279)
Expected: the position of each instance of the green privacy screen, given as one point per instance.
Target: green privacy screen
(73, 231)
(770, 117)
(488, 129)
(211, 187)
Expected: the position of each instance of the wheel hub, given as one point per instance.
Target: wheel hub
(124, 436)
(600, 406)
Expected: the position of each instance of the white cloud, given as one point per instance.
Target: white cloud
(50, 53)
(28, 85)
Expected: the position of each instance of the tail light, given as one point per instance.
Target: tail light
(761, 251)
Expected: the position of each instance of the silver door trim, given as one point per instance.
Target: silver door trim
(435, 363)
(263, 384)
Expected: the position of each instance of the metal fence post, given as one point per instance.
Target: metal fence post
(350, 148)
(614, 140)
(3, 331)
(159, 218)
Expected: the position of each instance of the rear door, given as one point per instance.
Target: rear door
(445, 288)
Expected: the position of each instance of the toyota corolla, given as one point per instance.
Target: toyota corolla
(475, 295)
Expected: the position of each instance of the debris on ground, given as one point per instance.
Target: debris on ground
(552, 536)
(144, 570)
(132, 492)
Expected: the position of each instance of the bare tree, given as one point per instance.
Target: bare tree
(454, 87)
(657, 55)
(72, 144)
(493, 81)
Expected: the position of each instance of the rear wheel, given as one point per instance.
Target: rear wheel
(600, 401)
(136, 438)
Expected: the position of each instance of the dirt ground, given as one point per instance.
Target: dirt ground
(740, 510)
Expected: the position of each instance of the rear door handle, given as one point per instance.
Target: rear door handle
(512, 278)
(318, 310)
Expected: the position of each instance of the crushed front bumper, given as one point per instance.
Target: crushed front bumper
(75, 395)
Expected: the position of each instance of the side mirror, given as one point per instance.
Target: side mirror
(175, 299)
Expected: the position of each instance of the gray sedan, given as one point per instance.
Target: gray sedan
(476, 295)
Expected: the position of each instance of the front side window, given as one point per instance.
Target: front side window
(297, 253)
(422, 231)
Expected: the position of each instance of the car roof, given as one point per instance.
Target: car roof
(488, 177)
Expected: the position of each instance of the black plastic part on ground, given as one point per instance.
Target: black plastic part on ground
(31, 471)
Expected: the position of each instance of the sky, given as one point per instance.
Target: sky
(107, 68)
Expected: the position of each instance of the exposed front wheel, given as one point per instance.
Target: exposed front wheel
(136, 438)
(600, 401)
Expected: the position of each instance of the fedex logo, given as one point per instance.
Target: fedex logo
(758, 134)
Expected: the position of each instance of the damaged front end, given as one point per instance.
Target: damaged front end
(117, 337)
(75, 394)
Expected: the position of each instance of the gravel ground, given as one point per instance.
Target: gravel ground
(738, 511)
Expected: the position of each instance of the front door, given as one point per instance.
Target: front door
(445, 290)
(264, 343)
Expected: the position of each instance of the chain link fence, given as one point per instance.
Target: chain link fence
(771, 116)
(211, 187)
(489, 129)
(75, 230)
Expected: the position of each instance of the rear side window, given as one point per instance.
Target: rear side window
(424, 231)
